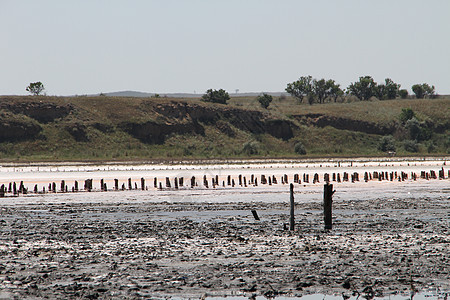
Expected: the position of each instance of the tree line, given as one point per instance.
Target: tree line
(321, 90)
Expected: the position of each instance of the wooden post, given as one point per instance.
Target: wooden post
(327, 205)
(116, 184)
(291, 219)
(76, 186)
(2, 191)
(255, 215)
(102, 184)
(129, 184)
(142, 184)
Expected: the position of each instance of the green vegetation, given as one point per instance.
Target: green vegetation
(423, 90)
(265, 100)
(300, 149)
(214, 96)
(386, 144)
(314, 90)
(120, 128)
(318, 91)
(35, 88)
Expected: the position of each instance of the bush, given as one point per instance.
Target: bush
(407, 114)
(411, 146)
(403, 93)
(386, 144)
(220, 96)
(250, 148)
(417, 130)
(299, 148)
(431, 147)
(265, 100)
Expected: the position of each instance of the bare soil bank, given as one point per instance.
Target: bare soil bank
(139, 250)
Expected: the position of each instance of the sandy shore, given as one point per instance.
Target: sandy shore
(388, 238)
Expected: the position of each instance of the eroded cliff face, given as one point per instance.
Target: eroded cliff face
(17, 130)
(182, 117)
(164, 119)
(320, 120)
(42, 112)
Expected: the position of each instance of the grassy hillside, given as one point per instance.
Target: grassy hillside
(114, 128)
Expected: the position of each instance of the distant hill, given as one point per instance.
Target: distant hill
(183, 95)
(83, 128)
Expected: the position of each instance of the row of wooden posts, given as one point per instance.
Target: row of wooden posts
(230, 181)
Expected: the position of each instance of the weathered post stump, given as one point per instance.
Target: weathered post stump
(327, 205)
(291, 200)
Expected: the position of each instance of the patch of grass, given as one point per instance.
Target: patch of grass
(112, 143)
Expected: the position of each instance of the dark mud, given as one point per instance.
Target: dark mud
(151, 250)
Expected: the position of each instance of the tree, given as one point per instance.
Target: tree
(335, 90)
(403, 93)
(265, 100)
(35, 88)
(320, 89)
(418, 90)
(391, 90)
(301, 88)
(220, 96)
(423, 90)
(364, 89)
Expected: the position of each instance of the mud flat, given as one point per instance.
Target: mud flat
(388, 238)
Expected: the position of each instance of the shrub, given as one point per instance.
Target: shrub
(250, 148)
(417, 130)
(386, 144)
(407, 114)
(403, 93)
(265, 100)
(299, 148)
(411, 146)
(431, 147)
(220, 96)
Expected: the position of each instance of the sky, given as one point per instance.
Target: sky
(77, 47)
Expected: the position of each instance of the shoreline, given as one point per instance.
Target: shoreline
(227, 161)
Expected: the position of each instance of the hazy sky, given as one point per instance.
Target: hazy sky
(92, 46)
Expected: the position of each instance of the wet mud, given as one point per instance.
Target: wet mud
(116, 250)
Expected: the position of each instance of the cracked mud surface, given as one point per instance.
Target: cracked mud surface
(182, 249)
